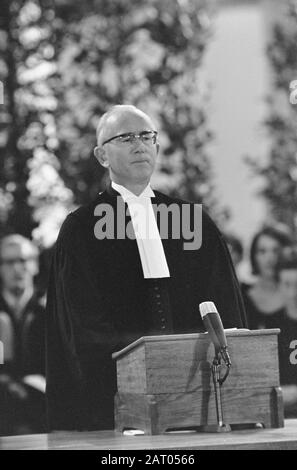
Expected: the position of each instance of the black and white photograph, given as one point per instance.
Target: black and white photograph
(148, 228)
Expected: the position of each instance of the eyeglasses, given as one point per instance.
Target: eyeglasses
(12, 261)
(129, 138)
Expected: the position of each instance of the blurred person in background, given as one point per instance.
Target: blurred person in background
(263, 299)
(288, 335)
(22, 376)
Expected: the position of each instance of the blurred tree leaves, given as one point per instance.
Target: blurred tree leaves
(28, 140)
(143, 52)
(63, 63)
(279, 172)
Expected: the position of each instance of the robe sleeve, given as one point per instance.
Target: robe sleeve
(222, 286)
(79, 340)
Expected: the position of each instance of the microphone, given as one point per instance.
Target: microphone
(213, 324)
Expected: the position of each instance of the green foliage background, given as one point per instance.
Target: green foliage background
(63, 63)
(279, 172)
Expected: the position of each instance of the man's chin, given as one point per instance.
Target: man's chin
(18, 288)
(142, 171)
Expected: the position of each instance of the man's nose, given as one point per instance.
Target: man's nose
(138, 141)
(19, 266)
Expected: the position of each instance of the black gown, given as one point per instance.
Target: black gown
(97, 304)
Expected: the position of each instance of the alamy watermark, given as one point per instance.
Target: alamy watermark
(176, 221)
(293, 354)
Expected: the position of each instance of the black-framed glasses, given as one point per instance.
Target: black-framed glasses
(129, 138)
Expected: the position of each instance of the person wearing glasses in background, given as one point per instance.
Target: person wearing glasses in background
(22, 333)
(107, 290)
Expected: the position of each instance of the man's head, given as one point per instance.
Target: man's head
(287, 273)
(130, 159)
(18, 263)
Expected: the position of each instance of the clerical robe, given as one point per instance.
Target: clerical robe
(97, 304)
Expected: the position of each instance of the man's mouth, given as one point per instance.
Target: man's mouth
(141, 161)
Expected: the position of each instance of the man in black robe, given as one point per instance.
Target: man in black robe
(107, 291)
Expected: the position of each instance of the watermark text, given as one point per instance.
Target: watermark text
(138, 220)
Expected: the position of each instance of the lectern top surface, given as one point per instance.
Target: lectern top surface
(191, 336)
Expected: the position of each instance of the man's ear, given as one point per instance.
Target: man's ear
(158, 147)
(100, 155)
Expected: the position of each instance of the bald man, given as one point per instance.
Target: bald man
(120, 271)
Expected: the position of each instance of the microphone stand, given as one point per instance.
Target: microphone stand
(218, 382)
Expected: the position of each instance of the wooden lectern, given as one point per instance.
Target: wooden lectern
(165, 382)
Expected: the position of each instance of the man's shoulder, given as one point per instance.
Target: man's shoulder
(85, 211)
(81, 218)
(168, 200)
